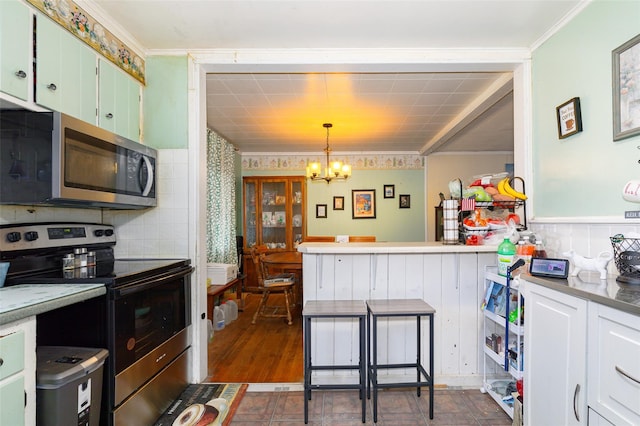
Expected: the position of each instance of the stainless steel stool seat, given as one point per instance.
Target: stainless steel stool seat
(398, 308)
(350, 309)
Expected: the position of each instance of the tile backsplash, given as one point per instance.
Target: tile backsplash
(587, 239)
(158, 232)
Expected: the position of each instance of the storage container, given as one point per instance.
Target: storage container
(69, 385)
(221, 273)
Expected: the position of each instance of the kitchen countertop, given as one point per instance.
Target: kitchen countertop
(587, 285)
(391, 247)
(25, 300)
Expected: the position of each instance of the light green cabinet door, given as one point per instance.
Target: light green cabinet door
(66, 70)
(118, 101)
(79, 79)
(48, 63)
(15, 51)
(12, 409)
(107, 95)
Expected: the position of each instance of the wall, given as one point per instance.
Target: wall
(165, 102)
(442, 168)
(406, 172)
(577, 181)
(582, 175)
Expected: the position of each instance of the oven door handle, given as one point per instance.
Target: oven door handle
(151, 282)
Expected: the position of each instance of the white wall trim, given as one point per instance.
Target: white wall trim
(614, 220)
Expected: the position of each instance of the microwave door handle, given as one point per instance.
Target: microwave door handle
(149, 183)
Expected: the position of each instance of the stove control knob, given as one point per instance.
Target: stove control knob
(13, 237)
(98, 232)
(31, 236)
(108, 232)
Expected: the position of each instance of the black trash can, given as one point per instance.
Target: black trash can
(69, 385)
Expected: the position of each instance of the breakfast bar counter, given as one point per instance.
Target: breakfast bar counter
(450, 278)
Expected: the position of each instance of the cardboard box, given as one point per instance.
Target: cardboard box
(221, 273)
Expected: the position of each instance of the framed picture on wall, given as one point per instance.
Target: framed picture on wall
(626, 90)
(338, 203)
(363, 203)
(569, 118)
(321, 211)
(405, 201)
(389, 191)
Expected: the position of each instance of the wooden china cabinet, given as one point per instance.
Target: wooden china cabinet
(273, 215)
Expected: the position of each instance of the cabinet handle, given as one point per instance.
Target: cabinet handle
(52, 86)
(1, 362)
(109, 115)
(575, 402)
(627, 375)
(21, 74)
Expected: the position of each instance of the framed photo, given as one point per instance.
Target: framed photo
(389, 191)
(405, 201)
(569, 118)
(626, 92)
(321, 211)
(338, 203)
(363, 203)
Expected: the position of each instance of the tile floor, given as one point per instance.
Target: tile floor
(395, 407)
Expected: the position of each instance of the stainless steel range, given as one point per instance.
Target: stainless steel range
(143, 320)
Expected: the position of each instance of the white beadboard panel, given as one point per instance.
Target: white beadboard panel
(452, 283)
(449, 349)
(468, 326)
(432, 294)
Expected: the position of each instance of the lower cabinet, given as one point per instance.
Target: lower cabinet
(555, 358)
(614, 365)
(18, 373)
(560, 356)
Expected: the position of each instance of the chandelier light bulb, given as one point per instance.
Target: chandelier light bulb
(333, 170)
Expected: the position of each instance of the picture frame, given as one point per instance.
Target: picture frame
(321, 211)
(363, 203)
(569, 118)
(404, 201)
(338, 203)
(389, 191)
(626, 94)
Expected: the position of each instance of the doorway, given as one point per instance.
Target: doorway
(269, 351)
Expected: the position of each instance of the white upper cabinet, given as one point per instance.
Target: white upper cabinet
(119, 101)
(16, 73)
(66, 72)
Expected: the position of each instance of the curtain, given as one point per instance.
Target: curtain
(221, 200)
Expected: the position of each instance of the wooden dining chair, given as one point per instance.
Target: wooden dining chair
(282, 283)
(362, 238)
(319, 239)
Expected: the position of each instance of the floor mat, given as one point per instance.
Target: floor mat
(203, 405)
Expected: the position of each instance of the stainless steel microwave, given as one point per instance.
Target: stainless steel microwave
(55, 159)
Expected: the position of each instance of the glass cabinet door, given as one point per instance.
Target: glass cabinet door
(274, 214)
(250, 214)
(297, 217)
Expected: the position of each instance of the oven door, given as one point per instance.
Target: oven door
(150, 318)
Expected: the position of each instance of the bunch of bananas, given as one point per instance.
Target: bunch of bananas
(504, 188)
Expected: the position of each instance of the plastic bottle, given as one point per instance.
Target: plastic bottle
(506, 253)
(539, 250)
(218, 318)
(228, 312)
(233, 309)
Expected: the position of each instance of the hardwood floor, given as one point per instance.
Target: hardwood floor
(269, 351)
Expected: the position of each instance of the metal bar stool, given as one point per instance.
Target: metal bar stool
(398, 308)
(334, 309)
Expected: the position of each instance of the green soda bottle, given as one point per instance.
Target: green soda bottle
(506, 253)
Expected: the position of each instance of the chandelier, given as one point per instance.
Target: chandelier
(334, 170)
